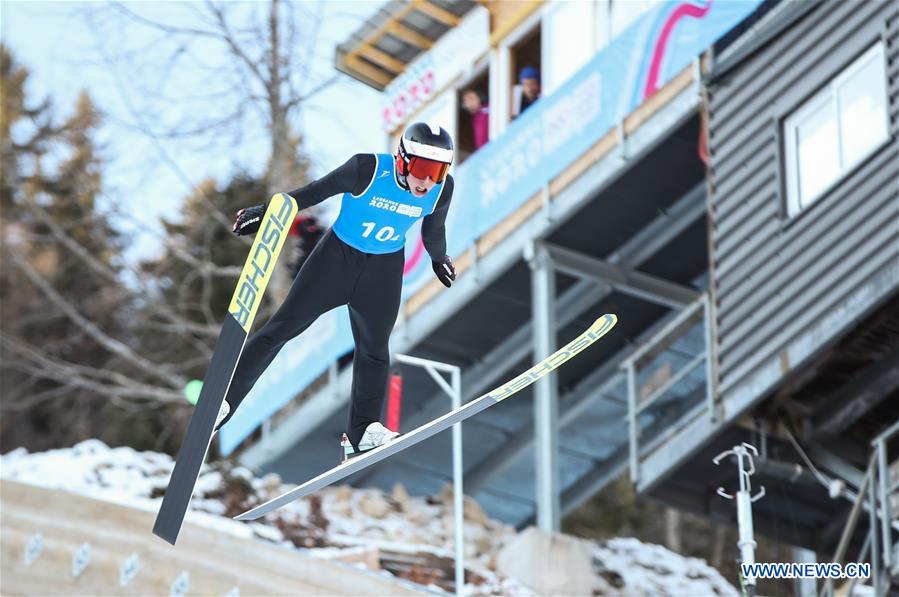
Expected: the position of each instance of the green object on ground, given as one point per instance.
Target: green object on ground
(192, 391)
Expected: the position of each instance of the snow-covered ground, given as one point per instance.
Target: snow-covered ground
(413, 535)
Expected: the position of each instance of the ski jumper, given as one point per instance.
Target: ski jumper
(359, 263)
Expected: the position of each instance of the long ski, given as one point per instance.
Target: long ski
(254, 278)
(596, 331)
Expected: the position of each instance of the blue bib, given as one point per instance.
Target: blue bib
(377, 220)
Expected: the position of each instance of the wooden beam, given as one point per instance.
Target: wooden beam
(436, 13)
(507, 26)
(382, 58)
(505, 228)
(658, 100)
(580, 165)
(367, 70)
(415, 38)
(375, 35)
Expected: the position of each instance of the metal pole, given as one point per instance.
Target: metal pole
(861, 558)
(266, 436)
(546, 407)
(632, 420)
(747, 540)
(425, 363)
(872, 532)
(883, 474)
(709, 358)
(849, 529)
(454, 389)
(743, 454)
(333, 374)
(804, 587)
(457, 483)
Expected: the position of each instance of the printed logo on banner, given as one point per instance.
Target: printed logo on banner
(452, 55)
(509, 163)
(409, 92)
(655, 75)
(570, 115)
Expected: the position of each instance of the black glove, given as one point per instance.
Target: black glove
(248, 219)
(445, 271)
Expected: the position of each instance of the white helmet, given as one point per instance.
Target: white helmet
(425, 151)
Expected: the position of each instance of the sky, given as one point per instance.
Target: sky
(59, 43)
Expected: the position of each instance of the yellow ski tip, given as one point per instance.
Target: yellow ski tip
(604, 323)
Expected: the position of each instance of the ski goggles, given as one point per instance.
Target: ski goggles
(424, 168)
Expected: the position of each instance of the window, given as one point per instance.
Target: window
(835, 130)
(525, 54)
(473, 116)
(568, 31)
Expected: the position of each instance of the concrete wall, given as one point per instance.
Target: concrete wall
(216, 562)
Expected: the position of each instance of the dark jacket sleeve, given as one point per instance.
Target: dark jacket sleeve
(433, 226)
(352, 177)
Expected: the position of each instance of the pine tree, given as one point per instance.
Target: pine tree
(195, 276)
(59, 291)
(195, 288)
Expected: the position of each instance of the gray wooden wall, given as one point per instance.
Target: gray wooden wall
(773, 277)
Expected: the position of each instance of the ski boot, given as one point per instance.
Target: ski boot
(224, 411)
(375, 435)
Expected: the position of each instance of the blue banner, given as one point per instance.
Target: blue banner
(506, 172)
(555, 131)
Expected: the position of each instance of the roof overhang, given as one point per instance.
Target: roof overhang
(397, 34)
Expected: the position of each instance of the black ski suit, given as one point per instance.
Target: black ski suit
(337, 274)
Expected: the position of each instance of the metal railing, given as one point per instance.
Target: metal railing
(882, 540)
(676, 361)
(883, 490)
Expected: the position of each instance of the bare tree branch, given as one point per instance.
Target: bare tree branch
(228, 37)
(31, 399)
(315, 91)
(214, 210)
(60, 234)
(207, 283)
(111, 344)
(168, 29)
(231, 271)
(179, 324)
(73, 375)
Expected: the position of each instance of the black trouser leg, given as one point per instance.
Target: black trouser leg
(325, 281)
(374, 306)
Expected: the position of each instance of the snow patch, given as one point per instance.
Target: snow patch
(413, 535)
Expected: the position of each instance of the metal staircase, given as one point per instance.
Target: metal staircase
(879, 495)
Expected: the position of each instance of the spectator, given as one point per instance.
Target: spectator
(474, 103)
(527, 91)
(308, 232)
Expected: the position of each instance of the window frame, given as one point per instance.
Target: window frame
(828, 94)
(478, 70)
